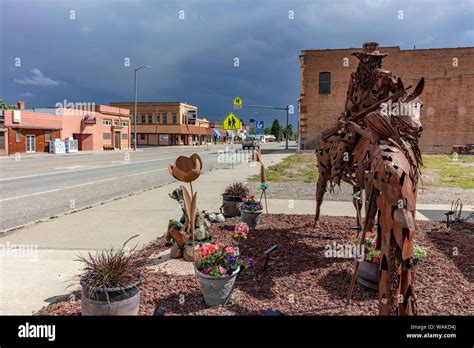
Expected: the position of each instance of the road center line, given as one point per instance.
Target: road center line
(84, 169)
(80, 185)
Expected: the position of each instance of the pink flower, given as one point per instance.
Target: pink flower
(221, 269)
(229, 250)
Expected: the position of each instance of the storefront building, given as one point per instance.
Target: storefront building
(31, 130)
(167, 123)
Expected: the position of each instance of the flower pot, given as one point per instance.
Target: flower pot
(230, 205)
(368, 274)
(217, 290)
(251, 218)
(110, 301)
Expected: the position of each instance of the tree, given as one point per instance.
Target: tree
(276, 129)
(5, 106)
(267, 130)
(291, 133)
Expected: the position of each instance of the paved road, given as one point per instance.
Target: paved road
(39, 186)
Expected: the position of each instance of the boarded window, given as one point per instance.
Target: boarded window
(124, 136)
(325, 83)
(47, 136)
(107, 136)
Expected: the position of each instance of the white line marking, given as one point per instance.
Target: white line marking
(83, 169)
(79, 185)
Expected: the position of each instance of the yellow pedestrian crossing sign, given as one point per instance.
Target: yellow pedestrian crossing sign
(237, 103)
(231, 122)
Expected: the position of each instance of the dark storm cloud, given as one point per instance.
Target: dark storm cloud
(192, 59)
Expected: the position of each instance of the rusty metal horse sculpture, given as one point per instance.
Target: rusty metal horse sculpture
(384, 162)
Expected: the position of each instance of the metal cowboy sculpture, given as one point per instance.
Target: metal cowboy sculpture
(374, 148)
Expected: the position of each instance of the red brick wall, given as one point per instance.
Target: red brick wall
(448, 98)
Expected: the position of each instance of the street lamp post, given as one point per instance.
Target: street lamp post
(135, 112)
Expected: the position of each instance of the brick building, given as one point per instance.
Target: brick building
(167, 123)
(448, 98)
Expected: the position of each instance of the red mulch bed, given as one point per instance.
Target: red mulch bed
(300, 280)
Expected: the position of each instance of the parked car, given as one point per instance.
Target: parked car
(250, 142)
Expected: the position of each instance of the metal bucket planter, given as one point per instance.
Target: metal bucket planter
(217, 290)
(368, 274)
(110, 301)
(252, 219)
(230, 205)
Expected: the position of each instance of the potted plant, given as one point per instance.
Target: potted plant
(110, 283)
(250, 211)
(232, 197)
(368, 273)
(217, 270)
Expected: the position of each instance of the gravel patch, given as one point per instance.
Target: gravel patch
(300, 280)
(307, 191)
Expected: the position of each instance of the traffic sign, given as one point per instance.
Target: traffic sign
(237, 103)
(231, 122)
(259, 126)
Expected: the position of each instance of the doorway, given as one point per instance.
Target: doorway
(117, 140)
(30, 143)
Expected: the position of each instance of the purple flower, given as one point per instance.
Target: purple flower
(229, 271)
(250, 262)
(231, 259)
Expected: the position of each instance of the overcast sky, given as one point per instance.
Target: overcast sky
(78, 50)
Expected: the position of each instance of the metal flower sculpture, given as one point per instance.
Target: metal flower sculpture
(188, 169)
(263, 178)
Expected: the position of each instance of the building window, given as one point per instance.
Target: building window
(325, 83)
(150, 118)
(158, 118)
(106, 122)
(165, 119)
(142, 136)
(124, 136)
(47, 136)
(106, 136)
(143, 118)
(18, 136)
(124, 124)
(175, 118)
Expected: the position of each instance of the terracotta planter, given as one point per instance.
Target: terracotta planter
(217, 290)
(110, 301)
(252, 219)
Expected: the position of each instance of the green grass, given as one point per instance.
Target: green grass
(446, 171)
(293, 168)
(438, 170)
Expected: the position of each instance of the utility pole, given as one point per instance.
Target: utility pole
(135, 113)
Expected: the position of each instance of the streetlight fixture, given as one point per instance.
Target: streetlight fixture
(135, 113)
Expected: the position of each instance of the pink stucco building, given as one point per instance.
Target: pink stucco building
(101, 127)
